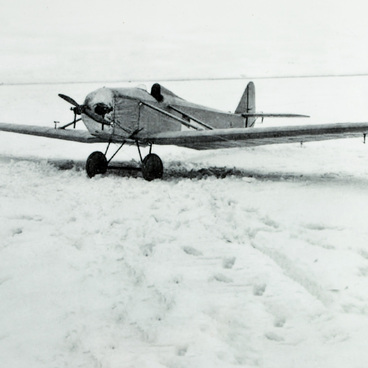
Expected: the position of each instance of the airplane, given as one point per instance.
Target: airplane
(136, 117)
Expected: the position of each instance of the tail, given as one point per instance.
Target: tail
(247, 105)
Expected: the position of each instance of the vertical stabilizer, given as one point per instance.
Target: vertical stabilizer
(247, 104)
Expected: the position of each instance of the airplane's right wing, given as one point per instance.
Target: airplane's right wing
(74, 135)
(249, 137)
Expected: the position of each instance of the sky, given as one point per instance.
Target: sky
(73, 41)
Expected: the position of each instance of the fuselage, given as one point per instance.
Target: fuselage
(131, 110)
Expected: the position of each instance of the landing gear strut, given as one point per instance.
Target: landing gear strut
(151, 166)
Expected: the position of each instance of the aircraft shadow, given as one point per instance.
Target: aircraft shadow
(260, 175)
(175, 171)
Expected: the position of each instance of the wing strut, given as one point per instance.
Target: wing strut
(181, 121)
(192, 118)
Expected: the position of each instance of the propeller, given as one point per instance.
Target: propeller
(84, 109)
(69, 99)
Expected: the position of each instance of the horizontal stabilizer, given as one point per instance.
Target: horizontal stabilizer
(262, 115)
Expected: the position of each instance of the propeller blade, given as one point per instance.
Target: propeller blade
(68, 99)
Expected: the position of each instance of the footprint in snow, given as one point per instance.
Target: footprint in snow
(363, 271)
(181, 350)
(222, 278)
(192, 251)
(363, 253)
(147, 249)
(271, 223)
(279, 322)
(259, 289)
(273, 337)
(228, 262)
(17, 231)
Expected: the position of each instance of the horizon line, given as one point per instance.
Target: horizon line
(185, 79)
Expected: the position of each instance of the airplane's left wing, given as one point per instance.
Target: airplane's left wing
(249, 137)
(65, 134)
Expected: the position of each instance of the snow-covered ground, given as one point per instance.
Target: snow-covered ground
(244, 257)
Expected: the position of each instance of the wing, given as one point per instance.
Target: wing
(249, 137)
(65, 134)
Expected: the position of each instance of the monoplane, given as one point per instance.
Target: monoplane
(135, 116)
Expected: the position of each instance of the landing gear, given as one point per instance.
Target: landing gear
(151, 166)
(96, 164)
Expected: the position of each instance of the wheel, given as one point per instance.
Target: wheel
(96, 164)
(152, 167)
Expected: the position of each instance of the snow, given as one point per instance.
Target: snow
(243, 257)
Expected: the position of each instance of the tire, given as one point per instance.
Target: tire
(152, 167)
(96, 164)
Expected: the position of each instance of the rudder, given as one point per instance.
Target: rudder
(247, 104)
